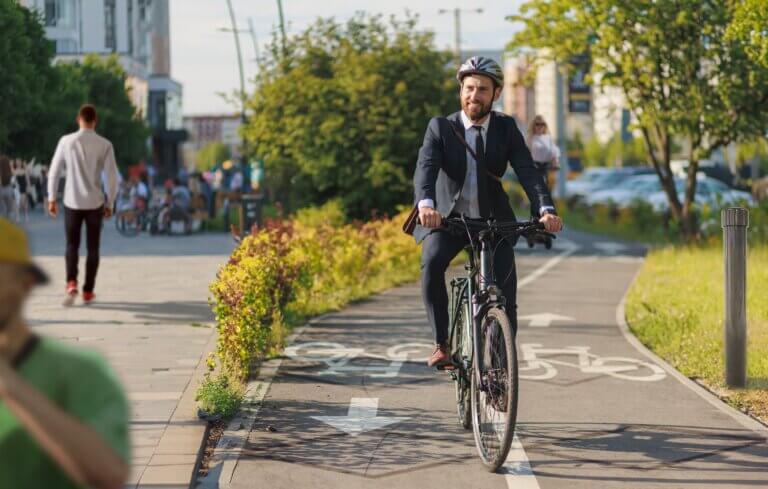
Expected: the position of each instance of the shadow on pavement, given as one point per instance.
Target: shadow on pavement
(645, 453)
(173, 311)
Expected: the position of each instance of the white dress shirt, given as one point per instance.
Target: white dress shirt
(543, 150)
(83, 157)
(468, 203)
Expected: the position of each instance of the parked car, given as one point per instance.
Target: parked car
(623, 193)
(709, 191)
(595, 179)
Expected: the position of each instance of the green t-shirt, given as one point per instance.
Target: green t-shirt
(79, 382)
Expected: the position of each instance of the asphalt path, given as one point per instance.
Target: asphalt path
(352, 403)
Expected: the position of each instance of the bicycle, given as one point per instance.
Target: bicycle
(482, 342)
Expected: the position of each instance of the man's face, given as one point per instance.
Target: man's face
(477, 96)
(15, 284)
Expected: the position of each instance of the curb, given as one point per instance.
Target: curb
(740, 417)
(230, 446)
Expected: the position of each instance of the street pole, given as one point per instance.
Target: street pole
(735, 221)
(457, 29)
(457, 34)
(561, 133)
(282, 26)
(253, 38)
(239, 59)
(243, 144)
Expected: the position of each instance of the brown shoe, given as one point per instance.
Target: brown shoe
(439, 357)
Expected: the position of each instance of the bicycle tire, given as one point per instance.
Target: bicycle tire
(463, 399)
(131, 230)
(503, 388)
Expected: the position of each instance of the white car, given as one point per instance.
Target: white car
(625, 192)
(709, 191)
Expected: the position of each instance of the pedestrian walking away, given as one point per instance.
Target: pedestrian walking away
(458, 173)
(84, 157)
(7, 201)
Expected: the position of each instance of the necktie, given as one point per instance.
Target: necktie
(482, 181)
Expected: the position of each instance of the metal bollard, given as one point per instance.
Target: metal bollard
(735, 221)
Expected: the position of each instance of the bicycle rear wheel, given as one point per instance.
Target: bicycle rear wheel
(494, 404)
(128, 223)
(461, 348)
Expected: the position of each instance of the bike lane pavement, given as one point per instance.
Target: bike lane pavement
(353, 405)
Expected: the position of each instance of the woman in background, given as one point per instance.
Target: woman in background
(544, 151)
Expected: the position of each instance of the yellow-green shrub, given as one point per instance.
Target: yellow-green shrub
(295, 269)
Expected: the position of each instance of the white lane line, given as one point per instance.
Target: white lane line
(570, 249)
(517, 469)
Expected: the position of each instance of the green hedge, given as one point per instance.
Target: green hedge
(293, 269)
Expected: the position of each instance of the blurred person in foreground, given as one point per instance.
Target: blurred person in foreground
(63, 414)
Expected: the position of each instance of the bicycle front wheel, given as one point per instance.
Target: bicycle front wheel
(495, 390)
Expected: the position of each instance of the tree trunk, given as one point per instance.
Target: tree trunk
(688, 221)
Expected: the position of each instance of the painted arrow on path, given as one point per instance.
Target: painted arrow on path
(609, 247)
(543, 320)
(361, 417)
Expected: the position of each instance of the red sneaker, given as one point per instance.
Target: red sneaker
(71, 293)
(88, 297)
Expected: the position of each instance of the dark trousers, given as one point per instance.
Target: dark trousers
(438, 249)
(73, 224)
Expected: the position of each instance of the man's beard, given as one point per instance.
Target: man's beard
(475, 112)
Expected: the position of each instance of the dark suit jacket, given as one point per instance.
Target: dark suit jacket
(442, 166)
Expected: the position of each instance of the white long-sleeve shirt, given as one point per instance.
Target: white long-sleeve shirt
(84, 157)
(543, 149)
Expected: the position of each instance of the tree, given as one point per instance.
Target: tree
(682, 75)
(104, 81)
(212, 154)
(750, 27)
(39, 101)
(25, 72)
(343, 112)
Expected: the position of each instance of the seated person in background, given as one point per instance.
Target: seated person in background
(180, 196)
(63, 414)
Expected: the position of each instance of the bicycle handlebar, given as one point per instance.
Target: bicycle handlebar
(518, 228)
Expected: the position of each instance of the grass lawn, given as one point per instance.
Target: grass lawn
(676, 309)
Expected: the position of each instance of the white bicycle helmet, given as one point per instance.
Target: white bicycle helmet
(480, 65)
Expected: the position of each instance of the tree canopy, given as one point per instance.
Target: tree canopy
(343, 112)
(39, 100)
(684, 72)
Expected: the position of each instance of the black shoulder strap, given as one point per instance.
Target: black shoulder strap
(469, 148)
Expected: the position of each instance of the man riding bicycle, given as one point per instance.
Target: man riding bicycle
(459, 172)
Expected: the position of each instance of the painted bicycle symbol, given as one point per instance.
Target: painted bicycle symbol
(536, 363)
(338, 358)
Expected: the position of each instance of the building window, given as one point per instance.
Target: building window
(144, 10)
(66, 46)
(109, 25)
(59, 13)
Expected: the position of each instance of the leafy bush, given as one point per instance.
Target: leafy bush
(290, 270)
(219, 396)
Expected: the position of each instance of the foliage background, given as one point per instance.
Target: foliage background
(341, 114)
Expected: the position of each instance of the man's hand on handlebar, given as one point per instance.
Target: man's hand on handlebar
(552, 223)
(430, 218)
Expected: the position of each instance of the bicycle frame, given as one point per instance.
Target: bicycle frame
(481, 291)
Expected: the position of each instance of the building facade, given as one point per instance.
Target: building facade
(213, 128)
(138, 33)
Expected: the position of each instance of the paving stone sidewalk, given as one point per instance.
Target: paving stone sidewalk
(152, 322)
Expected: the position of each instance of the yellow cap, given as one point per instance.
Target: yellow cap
(14, 248)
